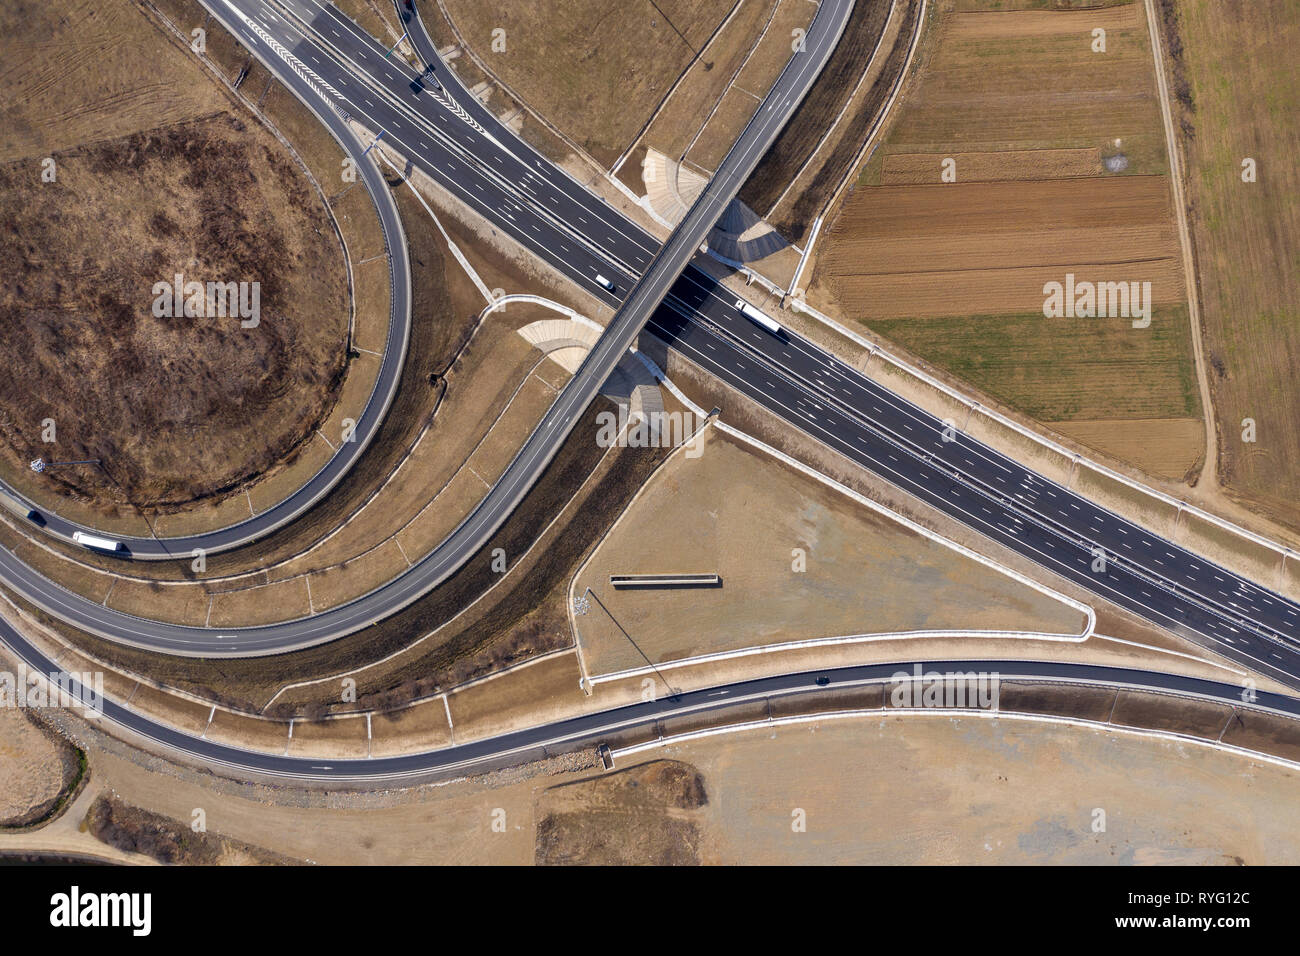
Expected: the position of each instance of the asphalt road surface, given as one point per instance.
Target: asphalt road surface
(593, 729)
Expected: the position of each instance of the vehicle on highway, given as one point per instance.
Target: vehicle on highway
(18, 507)
(757, 317)
(602, 281)
(96, 543)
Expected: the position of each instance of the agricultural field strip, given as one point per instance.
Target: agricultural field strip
(1210, 468)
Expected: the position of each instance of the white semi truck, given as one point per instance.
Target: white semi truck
(757, 317)
(96, 543)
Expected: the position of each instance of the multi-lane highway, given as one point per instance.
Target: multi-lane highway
(963, 478)
(447, 134)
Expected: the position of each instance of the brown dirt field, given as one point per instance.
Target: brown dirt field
(643, 815)
(38, 769)
(986, 6)
(597, 69)
(70, 79)
(1029, 80)
(981, 792)
(179, 401)
(944, 250)
(915, 169)
(940, 293)
(1165, 447)
(1246, 235)
(729, 512)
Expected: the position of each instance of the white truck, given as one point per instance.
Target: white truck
(96, 543)
(757, 317)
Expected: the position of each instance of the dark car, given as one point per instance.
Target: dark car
(823, 681)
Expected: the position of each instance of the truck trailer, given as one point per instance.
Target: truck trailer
(757, 317)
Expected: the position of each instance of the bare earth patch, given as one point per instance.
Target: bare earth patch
(597, 69)
(36, 768)
(169, 841)
(642, 815)
(940, 790)
(798, 561)
(76, 75)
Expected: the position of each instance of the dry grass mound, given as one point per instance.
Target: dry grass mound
(177, 409)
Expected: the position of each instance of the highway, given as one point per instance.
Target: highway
(844, 409)
(593, 729)
(447, 134)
